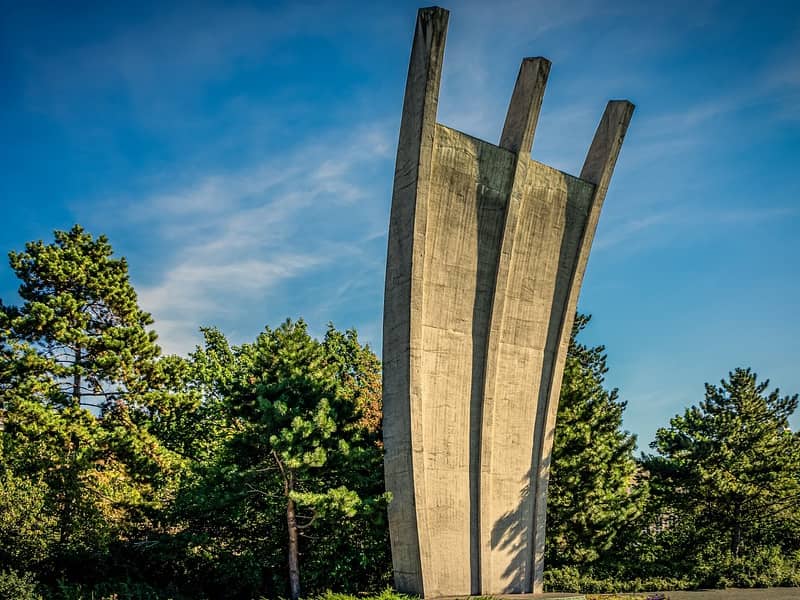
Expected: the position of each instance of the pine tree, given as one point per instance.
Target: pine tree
(80, 314)
(727, 473)
(302, 447)
(354, 554)
(595, 493)
(79, 386)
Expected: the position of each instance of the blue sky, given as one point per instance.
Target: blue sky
(241, 156)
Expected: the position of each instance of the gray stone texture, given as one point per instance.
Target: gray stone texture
(487, 250)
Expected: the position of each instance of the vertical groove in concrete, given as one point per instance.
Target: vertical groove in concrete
(488, 413)
(518, 133)
(537, 243)
(486, 255)
(402, 354)
(467, 196)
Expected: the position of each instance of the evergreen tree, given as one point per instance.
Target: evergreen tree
(596, 495)
(79, 384)
(301, 450)
(727, 474)
(354, 554)
(81, 315)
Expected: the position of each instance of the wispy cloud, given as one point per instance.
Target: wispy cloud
(230, 239)
(622, 231)
(647, 230)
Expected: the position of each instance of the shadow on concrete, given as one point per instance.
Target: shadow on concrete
(490, 213)
(510, 534)
(520, 531)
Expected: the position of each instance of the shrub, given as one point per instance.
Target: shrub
(766, 567)
(18, 586)
(387, 594)
(110, 590)
(568, 579)
(565, 579)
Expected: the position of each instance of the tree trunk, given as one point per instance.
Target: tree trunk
(291, 521)
(64, 522)
(65, 519)
(736, 536)
(69, 484)
(76, 378)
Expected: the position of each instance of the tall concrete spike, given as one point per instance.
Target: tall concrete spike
(526, 103)
(597, 169)
(402, 353)
(486, 256)
(607, 142)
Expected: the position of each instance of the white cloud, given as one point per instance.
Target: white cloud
(230, 238)
(622, 231)
(649, 229)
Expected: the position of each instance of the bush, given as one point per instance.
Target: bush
(766, 567)
(569, 579)
(18, 586)
(565, 579)
(26, 526)
(111, 590)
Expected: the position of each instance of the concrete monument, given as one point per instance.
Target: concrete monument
(487, 250)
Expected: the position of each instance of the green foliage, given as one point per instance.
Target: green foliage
(18, 586)
(569, 579)
(109, 590)
(80, 315)
(25, 521)
(128, 475)
(80, 391)
(764, 567)
(595, 496)
(386, 594)
(726, 481)
(295, 422)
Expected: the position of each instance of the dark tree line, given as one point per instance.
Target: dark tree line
(256, 470)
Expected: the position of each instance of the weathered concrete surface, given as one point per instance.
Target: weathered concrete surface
(402, 354)
(487, 250)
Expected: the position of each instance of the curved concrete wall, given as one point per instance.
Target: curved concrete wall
(487, 250)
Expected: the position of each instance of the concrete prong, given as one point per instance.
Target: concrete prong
(422, 85)
(404, 471)
(607, 142)
(526, 102)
